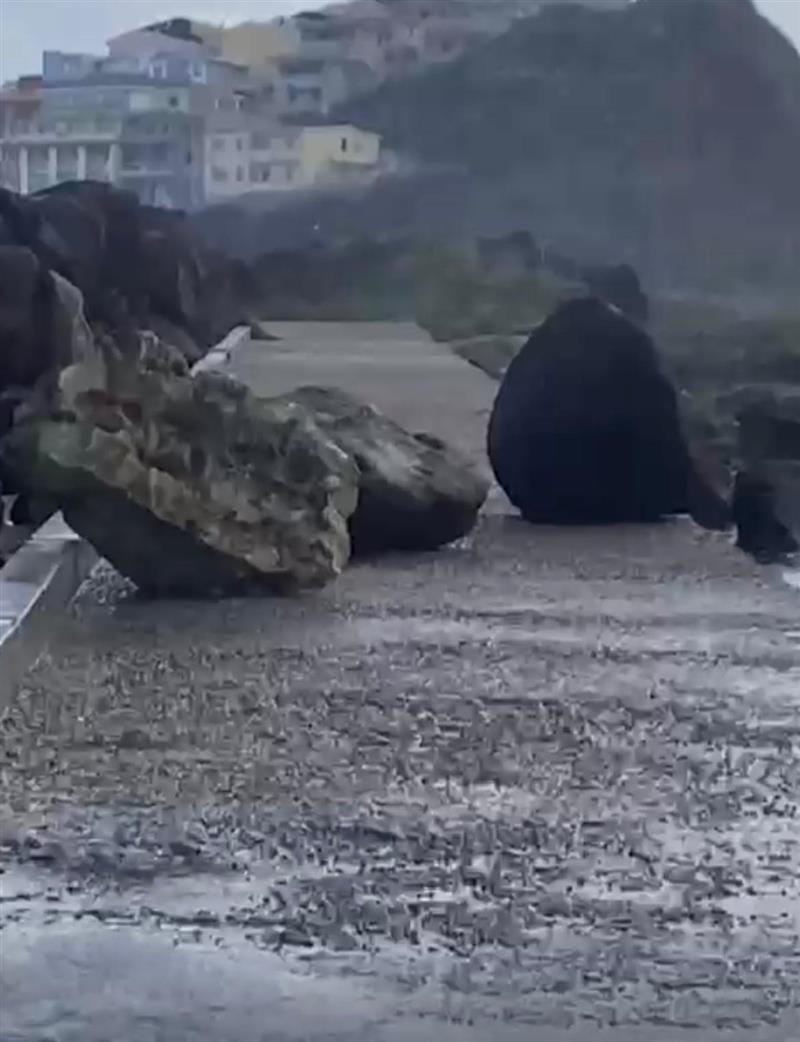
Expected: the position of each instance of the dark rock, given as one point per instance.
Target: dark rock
(90, 233)
(759, 530)
(585, 427)
(768, 418)
(26, 334)
(86, 250)
(766, 502)
(618, 285)
(414, 491)
(30, 511)
(129, 261)
(42, 330)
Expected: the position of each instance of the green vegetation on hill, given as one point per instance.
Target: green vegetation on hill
(455, 298)
(708, 347)
(666, 134)
(444, 287)
(460, 294)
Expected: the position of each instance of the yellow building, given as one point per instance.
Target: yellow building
(338, 154)
(258, 44)
(288, 159)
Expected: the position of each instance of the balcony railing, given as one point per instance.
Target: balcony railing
(37, 132)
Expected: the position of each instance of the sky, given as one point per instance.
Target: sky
(27, 27)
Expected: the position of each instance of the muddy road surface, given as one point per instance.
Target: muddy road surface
(542, 784)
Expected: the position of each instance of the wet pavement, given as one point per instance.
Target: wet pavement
(541, 784)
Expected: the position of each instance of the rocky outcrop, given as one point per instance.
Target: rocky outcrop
(129, 261)
(86, 247)
(189, 485)
(43, 329)
(414, 492)
(585, 427)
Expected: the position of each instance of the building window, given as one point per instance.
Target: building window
(344, 144)
(174, 101)
(240, 173)
(260, 172)
(218, 144)
(219, 174)
(259, 140)
(239, 144)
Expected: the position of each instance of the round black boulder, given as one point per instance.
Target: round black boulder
(585, 427)
(759, 530)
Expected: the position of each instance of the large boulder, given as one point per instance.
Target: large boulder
(760, 529)
(768, 417)
(766, 501)
(189, 485)
(585, 427)
(90, 233)
(415, 492)
(42, 330)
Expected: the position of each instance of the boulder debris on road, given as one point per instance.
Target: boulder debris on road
(585, 427)
(189, 485)
(767, 488)
(415, 492)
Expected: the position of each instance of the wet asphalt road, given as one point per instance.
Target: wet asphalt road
(542, 784)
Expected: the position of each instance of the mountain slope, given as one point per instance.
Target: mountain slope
(667, 134)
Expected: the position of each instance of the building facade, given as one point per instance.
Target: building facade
(134, 117)
(125, 130)
(282, 159)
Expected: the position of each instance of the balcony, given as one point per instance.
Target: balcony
(135, 170)
(83, 131)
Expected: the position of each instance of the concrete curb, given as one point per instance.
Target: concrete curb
(41, 578)
(221, 353)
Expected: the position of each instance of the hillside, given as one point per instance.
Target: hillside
(666, 134)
